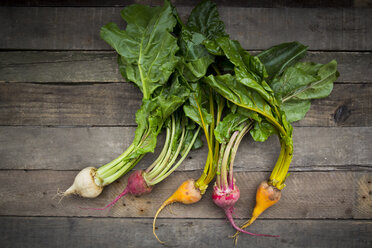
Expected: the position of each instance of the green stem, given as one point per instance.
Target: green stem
(159, 167)
(173, 159)
(222, 150)
(225, 160)
(269, 118)
(112, 170)
(107, 172)
(279, 161)
(127, 167)
(234, 150)
(162, 153)
(212, 172)
(211, 111)
(200, 182)
(284, 173)
(158, 180)
(280, 171)
(109, 165)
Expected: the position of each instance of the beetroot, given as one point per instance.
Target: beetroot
(226, 199)
(180, 138)
(225, 192)
(136, 186)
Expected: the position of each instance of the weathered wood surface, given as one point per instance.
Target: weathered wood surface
(308, 195)
(115, 105)
(64, 110)
(237, 3)
(73, 148)
(256, 28)
(118, 232)
(101, 66)
(94, 104)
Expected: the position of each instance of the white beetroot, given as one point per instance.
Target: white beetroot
(84, 184)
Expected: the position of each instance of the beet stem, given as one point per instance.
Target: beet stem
(125, 191)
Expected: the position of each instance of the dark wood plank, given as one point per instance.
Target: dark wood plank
(308, 195)
(58, 67)
(93, 104)
(74, 148)
(107, 232)
(256, 28)
(78, 66)
(115, 104)
(235, 3)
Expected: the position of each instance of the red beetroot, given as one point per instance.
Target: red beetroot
(226, 199)
(136, 186)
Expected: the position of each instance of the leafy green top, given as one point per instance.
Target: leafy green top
(146, 48)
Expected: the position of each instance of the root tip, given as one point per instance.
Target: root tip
(236, 240)
(60, 194)
(157, 238)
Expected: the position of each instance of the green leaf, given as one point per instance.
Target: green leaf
(195, 58)
(172, 96)
(246, 98)
(204, 19)
(228, 86)
(230, 123)
(277, 58)
(146, 47)
(248, 69)
(262, 131)
(153, 113)
(197, 107)
(249, 113)
(203, 24)
(191, 128)
(302, 82)
(296, 109)
(198, 142)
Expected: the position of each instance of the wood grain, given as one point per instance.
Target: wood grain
(74, 148)
(256, 28)
(65, 106)
(308, 195)
(101, 66)
(348, 105)
(93, 104)
(115, 105)
(119, 232)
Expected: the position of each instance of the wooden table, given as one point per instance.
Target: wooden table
(64, 106)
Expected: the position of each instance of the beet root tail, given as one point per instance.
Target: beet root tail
(166, 203)
(229, 216)
(125, 191)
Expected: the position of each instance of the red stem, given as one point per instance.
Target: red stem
(229, 216)
(125, 191)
